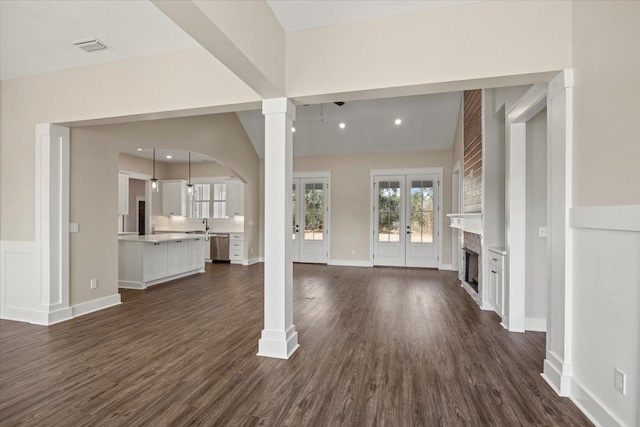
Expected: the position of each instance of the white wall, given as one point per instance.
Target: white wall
(606, 302)
(537, 270)
(179, 80)
(497, 38)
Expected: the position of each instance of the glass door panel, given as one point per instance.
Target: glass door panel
(421, 247)
(295, 225)
(389, 211)
(314, 211)
(422, 211)
(389, 221)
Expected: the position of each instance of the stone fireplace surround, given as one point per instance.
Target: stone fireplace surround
(473, 242)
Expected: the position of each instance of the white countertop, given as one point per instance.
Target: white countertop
(157, 238)
(498, 249)
(201, 230)
(177, 230)
(127, 233)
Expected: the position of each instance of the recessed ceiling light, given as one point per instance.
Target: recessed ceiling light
(139, 149)
(169, 157)
(293, 130)
(342, 125)
(398, 121)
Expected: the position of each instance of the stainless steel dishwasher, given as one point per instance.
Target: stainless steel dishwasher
(219, 244)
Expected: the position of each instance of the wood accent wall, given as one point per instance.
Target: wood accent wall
(472, 182)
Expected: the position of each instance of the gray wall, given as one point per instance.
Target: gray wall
(536, 250)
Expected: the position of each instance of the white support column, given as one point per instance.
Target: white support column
(558, 363)
(52, 218)
(279, 337)
(34, 284)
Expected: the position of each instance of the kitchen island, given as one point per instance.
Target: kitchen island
(145, 261)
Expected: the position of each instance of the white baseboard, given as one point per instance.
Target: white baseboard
(537, 324)
(251, 261)
(36, 317)
(446, 267)
(278, 345)
(557, 374)
(592, 407)
(95, 305)
(349, 263)
(126, 284)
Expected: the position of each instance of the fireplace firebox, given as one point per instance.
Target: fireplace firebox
(471, 268)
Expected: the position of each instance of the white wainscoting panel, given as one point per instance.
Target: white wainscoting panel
(20, 286)
(606, 312)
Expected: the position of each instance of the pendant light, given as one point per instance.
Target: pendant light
(154, 181)
(190, 192)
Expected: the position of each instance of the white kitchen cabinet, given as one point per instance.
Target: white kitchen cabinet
(174, 197)
(195, 252)
(123, 195)
(496, 281)
(236, 248)
(154, 261)
(183, 255)
(148, 260)
(235, 198)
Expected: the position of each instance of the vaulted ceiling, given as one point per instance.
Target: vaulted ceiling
(305, 14)
(35, 36)
(428, 122)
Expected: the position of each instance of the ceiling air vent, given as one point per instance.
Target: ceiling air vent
(90, 45)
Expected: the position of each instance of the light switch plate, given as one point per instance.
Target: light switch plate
(542, 231)
(93, 284)
(74, 227)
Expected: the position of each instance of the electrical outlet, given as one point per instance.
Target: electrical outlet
(542, 231)
(74, 227)
(353, 251)
(94, 283)
(251, 250)
(621, 381)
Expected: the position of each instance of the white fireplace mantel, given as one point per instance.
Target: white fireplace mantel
(469, 222)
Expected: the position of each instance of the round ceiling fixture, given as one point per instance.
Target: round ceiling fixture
(342, 125)
(169, 156)
(398, 121)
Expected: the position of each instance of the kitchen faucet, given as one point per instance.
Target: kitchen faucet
(206, 224)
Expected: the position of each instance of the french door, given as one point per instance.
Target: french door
(310, 213)
(405, 213)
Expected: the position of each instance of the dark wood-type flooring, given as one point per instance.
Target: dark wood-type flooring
(381, 346)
